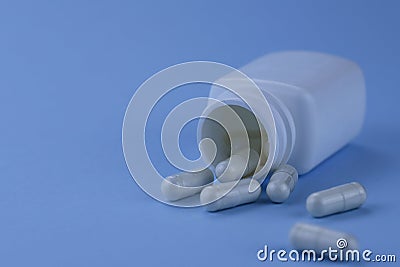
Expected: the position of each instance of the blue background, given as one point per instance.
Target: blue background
(67, 72)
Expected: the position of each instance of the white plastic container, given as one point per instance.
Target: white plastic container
(317, 102)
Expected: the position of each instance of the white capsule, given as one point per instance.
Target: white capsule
(237, 166)
(336, 199)
(185, 184)
(312, 237)
(282, 183)
(218, 196)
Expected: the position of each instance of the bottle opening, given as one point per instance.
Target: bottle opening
(245, 131)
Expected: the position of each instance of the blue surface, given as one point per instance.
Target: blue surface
(67, 72)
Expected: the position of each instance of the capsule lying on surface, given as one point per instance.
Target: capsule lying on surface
(237, 166)
(218, 196)
(185, 184)
(312, 237)
(282, 183)
(336, 199)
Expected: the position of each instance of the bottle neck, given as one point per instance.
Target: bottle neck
(277, 138)
(285, 132)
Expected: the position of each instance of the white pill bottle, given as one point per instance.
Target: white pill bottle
(316, 102)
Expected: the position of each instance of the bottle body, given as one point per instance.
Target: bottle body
(317, 101)
(325, 96)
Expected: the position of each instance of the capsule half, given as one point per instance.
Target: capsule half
(227, 195)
